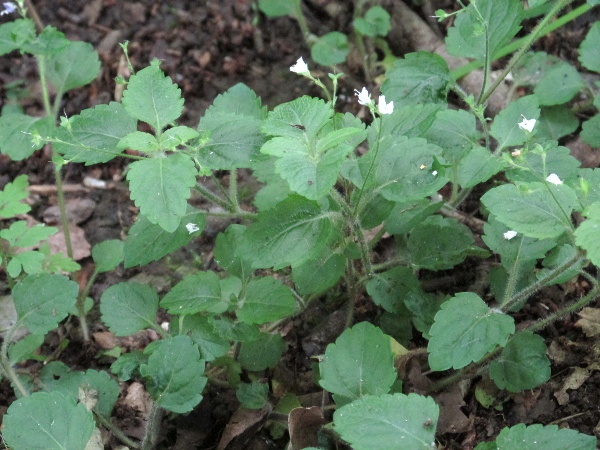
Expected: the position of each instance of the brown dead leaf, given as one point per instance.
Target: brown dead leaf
(242, 425)
(105, 339)
(589, 322)
(81, 247)
(452, 419)
(78, 210)
(304, 425)
(573, 381)
(137, 398)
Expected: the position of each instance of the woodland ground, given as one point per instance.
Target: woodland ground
(206, 47)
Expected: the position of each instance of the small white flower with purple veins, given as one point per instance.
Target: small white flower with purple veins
(553, 178)
(300, 67)
(9, 8)
(383, 107)
(509, 235)
(527, 124)
(364, 98)
(192, 228)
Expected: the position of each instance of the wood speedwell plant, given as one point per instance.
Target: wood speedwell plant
(307, 232)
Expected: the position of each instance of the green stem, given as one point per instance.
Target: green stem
(529, 40)
(64, 220)
(233, 193)
(45, 95)
(152, 427)
(5, 361)
(529, 290)
(239, 215)
(377, 238)
(516, 44)
(81, 306)
(362, 189)
(212, 197)
(302, 23)
(116, 431)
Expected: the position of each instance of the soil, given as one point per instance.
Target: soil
(206, 47)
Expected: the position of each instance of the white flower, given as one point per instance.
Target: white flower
(526, 124)
(434, 173)
(192, 227)
(9, 8)
(383, 107)
(509, 235)
(553, 178)
(300, 67)
(364, 98)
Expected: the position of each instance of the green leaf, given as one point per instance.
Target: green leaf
(233, 140)
(406, 215)
(455, 132)
(195, 293)
(309, 173)
(588, 50)
(203, 332)
(517, 250)
(484, 28)
(19, 235)
(549, 438)
(126, 364)
(49, 421)
(93, 136)
(541, 161)
(538, 210)
(522, 365)
(25, 348)
(43, 300)
(152, 97)
(29, 262)
(403, 169)
(320, 272)
(478, 166)
(558, 85)
(556, 122)
(75, 66)
(266, 300)
(59, 378)
(439, 243)
(149, 242)
(359, 363)
(465, 329)
(330, 49)
(389, 289)
(557, 257)
(419, 78)
(586, 235)
(239, 100)
(17, 131)
(49, 42)
(309, 113)
(129, 307)
(590, 132)
(532, 67)
(107, 255)
(375, 23)
(505, 127)
(410, 121)
(12, 196)
(140, 141)
(174, 374)
(176, 136)
(261, 353)
(424, 307)
(225, 252)
(252, 395)
(288, 234)
(14, 34)
(161, 186)
(278, 8)
(388, 422)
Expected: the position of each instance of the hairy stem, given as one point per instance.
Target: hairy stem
(152, 427)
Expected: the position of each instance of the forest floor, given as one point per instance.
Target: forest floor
(206, 47)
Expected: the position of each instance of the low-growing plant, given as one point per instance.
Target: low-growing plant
(308, 232)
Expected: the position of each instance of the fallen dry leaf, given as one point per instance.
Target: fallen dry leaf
(589, 322)
(304, 425)
(573, 381)
(242, 425)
